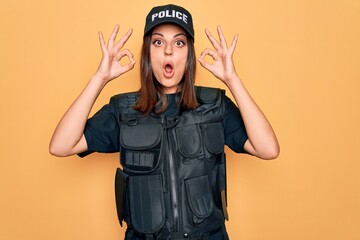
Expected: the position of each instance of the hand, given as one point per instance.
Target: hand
(110, 66)
(223, 66)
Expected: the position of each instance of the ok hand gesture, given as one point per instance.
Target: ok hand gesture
(222, 67)
(110, 66)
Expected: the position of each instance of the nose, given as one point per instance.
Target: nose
(168, 50)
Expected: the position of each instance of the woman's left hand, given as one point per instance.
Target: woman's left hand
(262, 141)
(222, 66)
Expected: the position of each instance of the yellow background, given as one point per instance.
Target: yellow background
(299, 60)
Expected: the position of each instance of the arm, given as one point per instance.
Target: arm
(68, 138)
(262, 141)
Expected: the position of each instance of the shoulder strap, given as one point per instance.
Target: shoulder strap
(210, 99)
(207, 94)
(124, 103)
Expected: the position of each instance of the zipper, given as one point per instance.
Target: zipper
(174, 194)
(173, 178)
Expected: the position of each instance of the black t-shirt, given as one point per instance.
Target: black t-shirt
(102, 130)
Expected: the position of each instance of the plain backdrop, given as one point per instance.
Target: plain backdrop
(299, 60)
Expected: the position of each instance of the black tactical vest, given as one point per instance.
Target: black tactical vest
(173, 178)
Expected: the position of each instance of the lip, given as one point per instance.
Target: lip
(166, 66)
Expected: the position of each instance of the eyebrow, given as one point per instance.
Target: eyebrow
(176, 35)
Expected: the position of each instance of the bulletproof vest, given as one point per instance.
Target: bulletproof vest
(173, 177)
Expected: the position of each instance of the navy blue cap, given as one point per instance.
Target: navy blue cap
(169, 14)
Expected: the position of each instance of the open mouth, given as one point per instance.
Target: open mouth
(168, 70)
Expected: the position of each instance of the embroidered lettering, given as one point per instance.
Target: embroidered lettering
(170, 14)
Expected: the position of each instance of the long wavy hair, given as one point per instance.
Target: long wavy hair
(152, 97)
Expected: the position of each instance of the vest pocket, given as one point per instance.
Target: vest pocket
(189, 141)
(140, 146)
(199, 197)
(214, 137)
(146, 203)
(120, 193)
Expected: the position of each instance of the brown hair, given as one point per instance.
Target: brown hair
(152, 97)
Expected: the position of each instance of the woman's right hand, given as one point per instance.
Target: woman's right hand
(110, 66)
(68, 138)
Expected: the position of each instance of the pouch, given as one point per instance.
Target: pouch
(200, 200)
(120, 193)
(189, 140)
(147, 206)
(222, 186)
(140, 146)
(213, 135)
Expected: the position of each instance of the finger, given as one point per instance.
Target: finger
(102, 42)
(223, 42)
(123, 53)
(113, 36)
(129, 66)
(233, 44)
(124, 39)
(213, 41)
(210, 53)
(205, 65)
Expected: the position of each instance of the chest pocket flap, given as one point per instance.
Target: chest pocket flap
(140, 136)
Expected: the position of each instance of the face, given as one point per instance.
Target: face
(168, 54)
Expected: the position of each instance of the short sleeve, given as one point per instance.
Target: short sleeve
(234, 128)
(102, 132)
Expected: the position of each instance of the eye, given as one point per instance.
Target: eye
(179, 43)
(157, 42)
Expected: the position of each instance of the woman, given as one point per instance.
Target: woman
(170, 134)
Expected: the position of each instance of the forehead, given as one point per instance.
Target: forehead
(168, 28)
